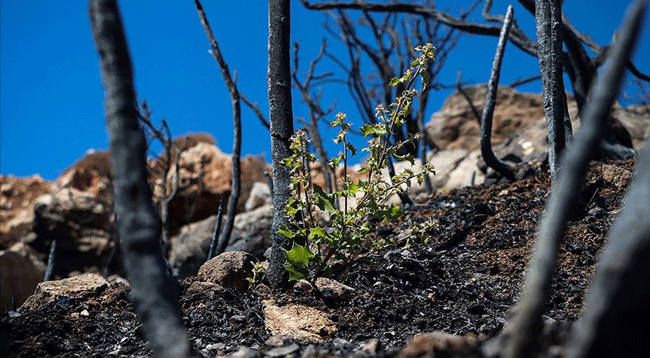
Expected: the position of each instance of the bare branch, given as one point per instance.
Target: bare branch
(255, 109)
(236, 113)
(490, 102)
(462, 91)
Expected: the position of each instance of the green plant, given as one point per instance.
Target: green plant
(349, 225)
(258, 272)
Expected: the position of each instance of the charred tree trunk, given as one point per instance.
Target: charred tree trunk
(548, 16)
(155, 293)
(281, 121)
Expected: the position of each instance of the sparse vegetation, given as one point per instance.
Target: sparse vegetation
(364, 200)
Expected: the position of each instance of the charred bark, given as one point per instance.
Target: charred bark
(281, 123)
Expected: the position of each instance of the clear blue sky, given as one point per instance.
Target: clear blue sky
(52, 99)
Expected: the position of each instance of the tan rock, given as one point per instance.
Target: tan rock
(80, 221)
(205, 177)
(333, 289)
(612, 174)
(90, 174)
(299, 322)
(17, 198)
(455, 127)
(438, 343)
(636, 120)
(78, 286)
(199, 286)
(20, 273)
(229, 269)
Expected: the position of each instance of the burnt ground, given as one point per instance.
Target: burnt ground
(462, 281)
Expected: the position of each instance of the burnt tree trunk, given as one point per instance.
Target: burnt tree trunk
(281, 121)
(155, 293)
(548, 17)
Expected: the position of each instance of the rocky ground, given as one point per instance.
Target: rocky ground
(461, 282)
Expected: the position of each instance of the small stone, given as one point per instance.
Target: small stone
(282, 351)
(245, 352)
(372, 347)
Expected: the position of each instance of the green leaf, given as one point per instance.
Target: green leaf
(394, 81)
(286, 232)
(296, 273)
(299, 255)
(353, 188)
(317, 231)
(298, 259)
(325, 201)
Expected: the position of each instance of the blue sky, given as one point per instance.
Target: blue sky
(51, 98)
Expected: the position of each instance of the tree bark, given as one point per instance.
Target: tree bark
(281, 121)
(548, 17)
(155, 294)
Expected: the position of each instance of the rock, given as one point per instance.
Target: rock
(77, 287)
(17, 196)
(80, 222)
(299, 322)
(466, 172)
(439, 343)
(617, 176)
(90, 174)
(199, 286)
(260, 195)
(20, 273)
(228, 270)
(333, 289)
(373, 347)
(205, 175)
(455, 127)
(245, 352)
(636, 119)
(519, 125)
(189, 249)
(251, 233)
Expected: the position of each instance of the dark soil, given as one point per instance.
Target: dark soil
(462, 281)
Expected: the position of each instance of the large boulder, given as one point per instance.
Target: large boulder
(81, 224)
(90, 174)
(454, 126)
(20, 272)
(17, 198)
(518, 132)
(636, 120)
(205, 178)
(260, 195)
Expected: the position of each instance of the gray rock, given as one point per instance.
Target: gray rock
(260, 196)
(251, 233)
